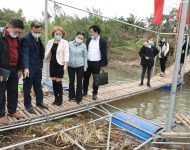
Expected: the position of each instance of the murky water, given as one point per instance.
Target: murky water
(154, 105)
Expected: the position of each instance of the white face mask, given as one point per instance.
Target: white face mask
(36, 35)
(151, 42)
(77, 40)
(93, 37)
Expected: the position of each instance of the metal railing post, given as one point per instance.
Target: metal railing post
(176, 66)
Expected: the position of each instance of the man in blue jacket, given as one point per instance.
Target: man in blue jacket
(33, 55)
(97, 58)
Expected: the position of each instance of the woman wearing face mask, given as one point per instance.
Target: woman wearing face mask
(77, 65)
(57, 53)
(147, 54)
(163, 48)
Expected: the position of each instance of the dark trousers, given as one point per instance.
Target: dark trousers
(144, 70)
(93, 68)
(79, 71)
(11, 86)
(34, 80)
(163, 64)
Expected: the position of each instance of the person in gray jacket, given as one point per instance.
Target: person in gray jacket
(77, 65)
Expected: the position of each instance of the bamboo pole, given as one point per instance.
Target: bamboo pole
(182, 121)
(185, 118)
(175, 133)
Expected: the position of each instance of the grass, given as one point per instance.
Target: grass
(125, 51)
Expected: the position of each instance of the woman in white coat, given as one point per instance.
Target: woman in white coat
(57, 54)
(163, 48)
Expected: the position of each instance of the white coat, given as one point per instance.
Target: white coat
(62, 54)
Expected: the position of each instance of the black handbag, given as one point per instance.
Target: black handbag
(5, 74)
(100, 79)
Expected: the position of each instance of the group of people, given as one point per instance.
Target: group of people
(149, 51)
(25, 57)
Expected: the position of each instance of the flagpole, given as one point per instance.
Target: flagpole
(176, 66)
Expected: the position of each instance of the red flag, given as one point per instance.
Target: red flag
(179, 13)
(158, 11)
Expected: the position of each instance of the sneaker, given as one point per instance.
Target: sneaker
(148, 84)
(42, 105)
(15, 115)
(30, 110)
(4, 121)
(141, 84)
(94, 97)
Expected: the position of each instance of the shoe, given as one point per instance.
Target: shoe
(141, 84)
(42, 105)
(15, 115)
(84, 94)
(4, 121)
(94, 96)
(30, 110)
(148, 84)
(56, 103)
(71, 98)
(78, 101)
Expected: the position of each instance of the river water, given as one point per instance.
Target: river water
(151, 105)
(154, 105)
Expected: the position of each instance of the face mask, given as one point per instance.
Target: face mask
(36, 35)
(93, 37)
(163, 40)
(13, 35)
(151, 42)
(77, 40)
(57, 37)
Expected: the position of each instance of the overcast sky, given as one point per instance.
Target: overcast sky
(32, 9)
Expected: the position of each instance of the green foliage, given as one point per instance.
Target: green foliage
(7, 14)
(169, 22)
(124, 41)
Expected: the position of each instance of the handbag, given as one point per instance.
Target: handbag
(100, 79)
(5, 74)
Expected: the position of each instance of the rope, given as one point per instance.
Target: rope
(104, 16)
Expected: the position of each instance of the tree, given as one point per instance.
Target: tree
(169, 21)
(7, 14)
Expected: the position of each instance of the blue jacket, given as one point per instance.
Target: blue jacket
(33, 52)
(77, 55)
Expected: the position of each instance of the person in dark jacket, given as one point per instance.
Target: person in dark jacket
(183, 53)
(10, 59)
(147, 54)
(97, 58)
(163, 48)
(33, 55)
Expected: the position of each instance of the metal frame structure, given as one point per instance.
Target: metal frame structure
(108, 117)
(61, 114)
(185, 5)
